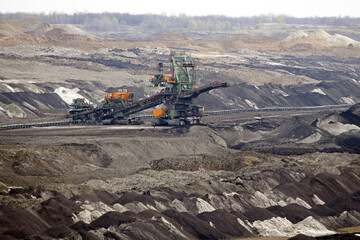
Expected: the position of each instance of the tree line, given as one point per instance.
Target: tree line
(116, 21)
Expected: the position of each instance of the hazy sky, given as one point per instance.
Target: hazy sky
(297, 8)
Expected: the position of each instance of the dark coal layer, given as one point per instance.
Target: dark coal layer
(54, 218)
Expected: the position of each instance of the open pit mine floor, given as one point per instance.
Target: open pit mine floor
(284, 176)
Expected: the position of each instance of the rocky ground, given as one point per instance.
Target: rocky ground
(233, 179)
(292, 174)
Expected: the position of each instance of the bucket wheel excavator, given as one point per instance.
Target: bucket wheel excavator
(175, 97)
(181, 81)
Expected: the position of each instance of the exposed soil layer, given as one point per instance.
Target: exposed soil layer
(289, 174)
(173, 215)
(180, 183)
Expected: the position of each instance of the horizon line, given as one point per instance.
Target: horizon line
(177, 15)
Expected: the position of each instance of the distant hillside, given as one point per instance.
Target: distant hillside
(316, 40)
(33, 32)
(128, 23)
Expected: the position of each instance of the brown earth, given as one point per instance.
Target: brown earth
(27, 31)
(176, 183)
(293, 174)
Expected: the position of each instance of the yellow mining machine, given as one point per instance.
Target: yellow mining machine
(178, 90)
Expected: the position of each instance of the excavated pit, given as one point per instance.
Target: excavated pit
(180, 183)
(292, 174)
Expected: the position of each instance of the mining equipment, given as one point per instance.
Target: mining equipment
(259, 117)
(181, 81)
(82, 110)
(79, 105)
(178, 90)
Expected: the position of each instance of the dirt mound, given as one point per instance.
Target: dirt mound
(171, 194)
(225, 222)
(297, 34)
(6, 30)
(42, 29)
(60, 231)
(345, 203)
(328, 186)
(301, 237)
(55, 32)
(58, 210)
(341, 40)
(71, 29)
(81, 225)
(296, 129)
(317, 40)
(19, 223)
(112, 218)
(303, 44)
(197, 227)
(319, 34)
(352, 115)
(149, 214)
(355, 110)
(97, 196)
(337, 124)
(105, 197)
(44, 34)
(293, 212)
(152, 229)
(349, 141)
(259, 214)
(335, 40)
(323, 211)
(129, 197)
(295, 191)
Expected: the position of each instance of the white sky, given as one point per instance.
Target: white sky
(233, 8)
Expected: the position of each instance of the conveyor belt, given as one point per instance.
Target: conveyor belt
(277, 109)
(218, 112)
(42, 124)
(259, 110)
